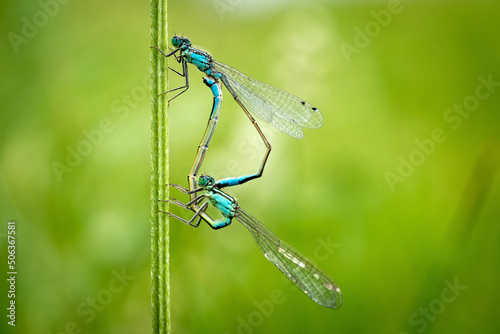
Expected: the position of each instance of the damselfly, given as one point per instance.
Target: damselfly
(296, 267)
(284, 111)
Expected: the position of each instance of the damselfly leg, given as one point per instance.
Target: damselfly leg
(184, 73)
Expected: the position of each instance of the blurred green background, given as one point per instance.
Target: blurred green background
(396, 197)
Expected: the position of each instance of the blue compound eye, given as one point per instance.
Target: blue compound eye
(205, 180)
(178, 41)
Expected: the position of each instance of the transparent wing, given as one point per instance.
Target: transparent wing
(302, 272)
(284, 111)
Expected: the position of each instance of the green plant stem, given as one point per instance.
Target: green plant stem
(160, 275)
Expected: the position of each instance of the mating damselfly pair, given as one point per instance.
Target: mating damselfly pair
(288, 114)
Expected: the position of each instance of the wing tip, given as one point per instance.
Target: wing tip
(335, 302)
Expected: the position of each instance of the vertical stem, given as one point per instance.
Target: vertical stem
(160, 275)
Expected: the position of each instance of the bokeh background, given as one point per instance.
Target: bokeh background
(396, 197)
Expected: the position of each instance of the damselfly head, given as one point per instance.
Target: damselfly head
(205, 181)
(179, 41)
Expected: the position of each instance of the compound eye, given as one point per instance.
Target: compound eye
(179, 42)
(176, 41)
(205, 181)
